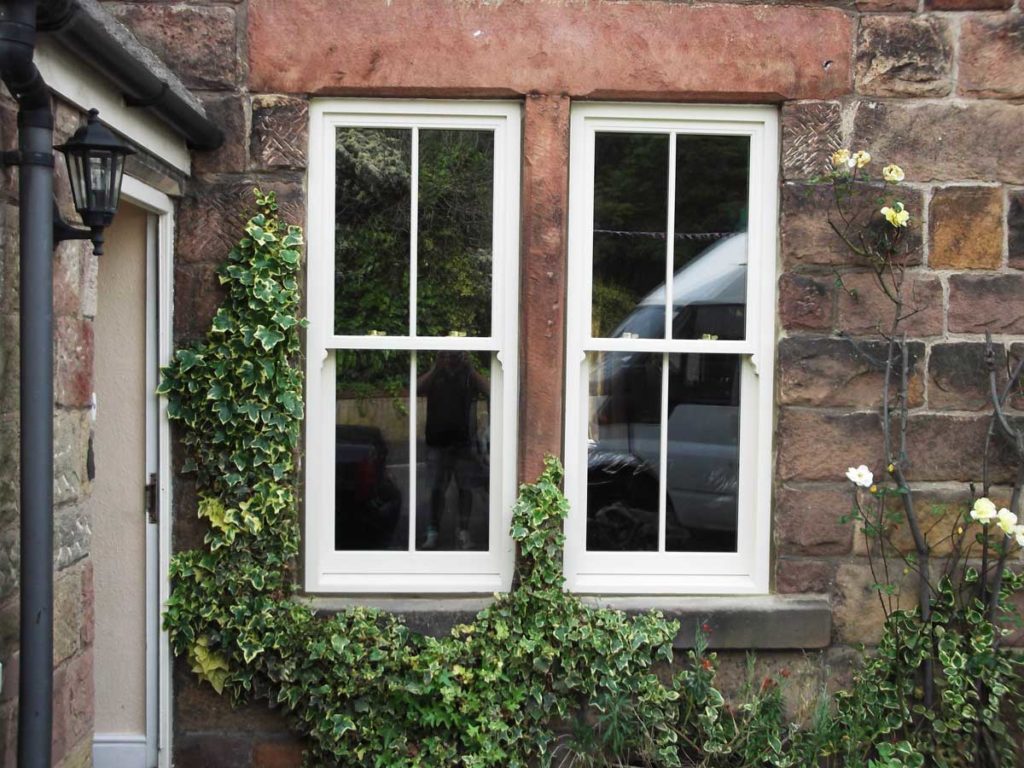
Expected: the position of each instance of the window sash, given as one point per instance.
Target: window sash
(353, 571)
(746, 570)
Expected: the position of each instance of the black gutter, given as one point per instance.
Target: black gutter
(35, 219)
(83, 32)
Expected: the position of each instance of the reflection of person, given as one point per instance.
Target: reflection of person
(451, 386)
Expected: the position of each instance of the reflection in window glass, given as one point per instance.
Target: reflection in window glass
(702, 475)
(454, 250)
(372, 210)
(453, 450)
(624, 451)
(709, 292)
(630, 219)
(371, 451)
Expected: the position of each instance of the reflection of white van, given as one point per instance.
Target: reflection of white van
(709, 296)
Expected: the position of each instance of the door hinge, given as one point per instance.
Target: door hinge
(152, 508)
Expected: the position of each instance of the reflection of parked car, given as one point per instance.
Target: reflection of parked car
(367, 501)
(703, 416)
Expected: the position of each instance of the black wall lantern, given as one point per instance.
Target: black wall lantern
(95, 159)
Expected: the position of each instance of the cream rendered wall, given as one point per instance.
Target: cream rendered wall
(118, 512)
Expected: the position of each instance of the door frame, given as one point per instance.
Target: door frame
(156, 747)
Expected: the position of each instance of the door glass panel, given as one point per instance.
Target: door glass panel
(709, 292)
(371, 230)
(702, 474)
(454, 250)
(371, 450)
(624, 445)
(630, 220)
(453, 463)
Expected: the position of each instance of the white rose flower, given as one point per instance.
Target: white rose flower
(984, 510)
(1007, 521)
(860, 476)
(1018, 533)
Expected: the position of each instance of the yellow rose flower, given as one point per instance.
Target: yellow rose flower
(897, 215)
(892, 173)
(861, 158)
(840, 157)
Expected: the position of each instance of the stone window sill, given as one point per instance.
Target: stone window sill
(764, 622)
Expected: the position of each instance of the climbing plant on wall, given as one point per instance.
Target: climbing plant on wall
(537, 675)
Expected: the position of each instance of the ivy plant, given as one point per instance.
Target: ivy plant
(538, 676)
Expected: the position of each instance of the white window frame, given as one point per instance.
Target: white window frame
(409, 572)
(747, 570)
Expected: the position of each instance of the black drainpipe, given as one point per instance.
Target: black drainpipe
(35, 218)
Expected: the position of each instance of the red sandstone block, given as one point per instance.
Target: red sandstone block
(277, 754)
(958, 377)
(1015, 230)
(803, 577)
(904, 56)
(73, 361)
(992, 57)
(667, 51)
(805, 302)
(198, 43)
(866, 310)
(198, 294)
(228, 112)
(968, 5)
(73, 703)
(979, 303)
(811, 133)
(542, 322)
(946, 447)
(807, 520)
(820, 445)
(88, 631)
(940, 141)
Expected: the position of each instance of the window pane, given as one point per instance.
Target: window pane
(703, 453)
(630, 217)
(709, 293)
(623, 451)
(456, 201)
(453, 450)
(371, 450)
(372, 210)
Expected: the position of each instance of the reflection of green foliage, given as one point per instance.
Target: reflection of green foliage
(372, 199)
(611, 301)
(373, 229)
(456, 189)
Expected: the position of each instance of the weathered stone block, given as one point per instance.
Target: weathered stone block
(979, 303)
(198, 294)
(280, 132)
(857, 613)
(1015, 229)
(70, 444)
(228, 112)
(808, 238)
(213, 214)
(73, 704)
(10, 562)
(835, 372)
(616, 50)
(803, 576)
(866, 310)
(67, 615)
(807, 520)
(800, 676)
(198, 42)
(805, 302)
(67, 279)
(811, 132)
(72, 536)
(9, 376)
(968, 5)
(939, 512)
(87, 628)
(73, 361)
(945, 447)
(966, 228)
(197, 708)
(904, 56)
(958, 377)
(213, 750)
(279, 753)
(940, 141)
(885, 6)
(817, 445)
(1016, 355)
(992, 57)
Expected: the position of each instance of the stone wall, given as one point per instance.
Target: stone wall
(934, 85)
(74, 304)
